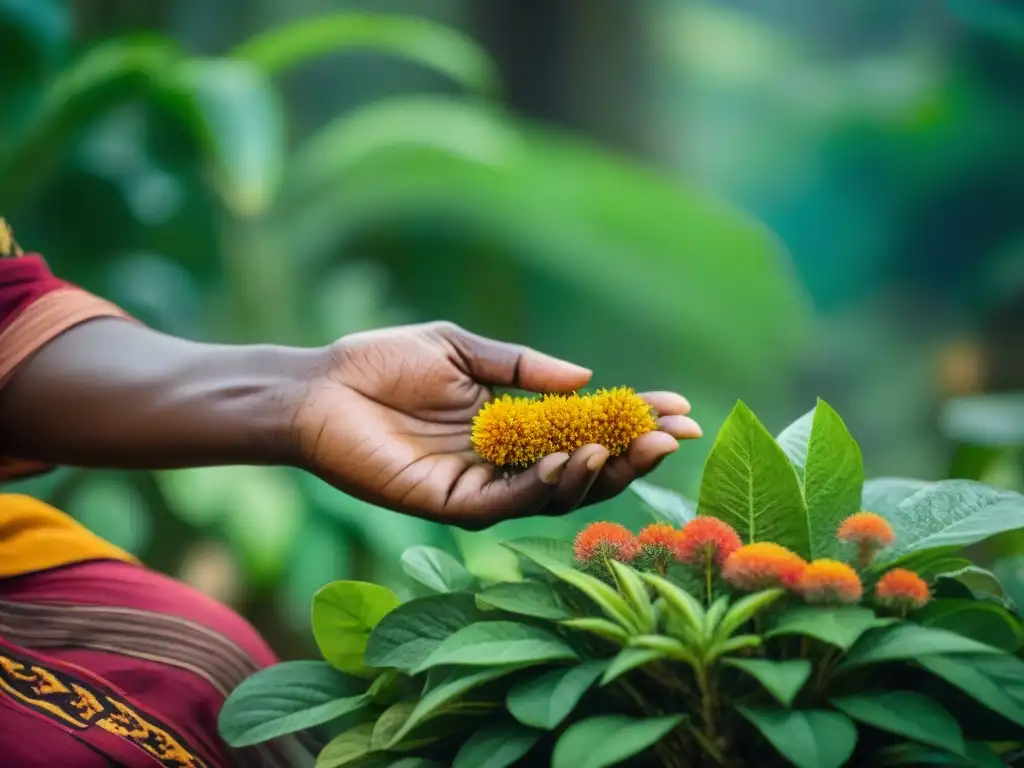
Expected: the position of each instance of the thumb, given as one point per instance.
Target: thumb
(499, 363)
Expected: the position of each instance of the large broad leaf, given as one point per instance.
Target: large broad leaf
(546, 700)
(905, 713)
(840, 626)
(432, 45)
(884, 494)
(447, 684)
(286, 698)
(526, 598)
(409, 634)
(828, 460)
(344, 614)
(807, 738)
(236, 112)
(979, 681)
(953, 513)
(540, 547)
(496, 746)
(436, 569)
(669, 506)
(782, 679)
(595, 220)
(906, 641)
(500, 643)
(749, 483)
(984, 621)
(609, 739)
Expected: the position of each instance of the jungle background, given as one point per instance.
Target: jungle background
(773, 201)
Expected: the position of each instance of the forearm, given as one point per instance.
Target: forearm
(109, 393)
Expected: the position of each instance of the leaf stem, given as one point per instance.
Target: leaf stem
(707, 581)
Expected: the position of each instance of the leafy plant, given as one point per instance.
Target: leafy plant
(782, 625)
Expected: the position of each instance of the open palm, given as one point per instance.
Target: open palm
(389, 421)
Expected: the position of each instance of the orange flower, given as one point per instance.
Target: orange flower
(705, 539)
(601, 540)
(657, 536)
(519, 431)
(900, 588)
(763, 565)
(866, 528)
(829, 581)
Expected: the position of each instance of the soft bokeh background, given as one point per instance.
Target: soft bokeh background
(773, 200)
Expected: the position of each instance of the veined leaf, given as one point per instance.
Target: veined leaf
(432, 45)
(609, 739)
(346, 748)
(526, 598)
(883, 494)
(669, 506)
(496, 746)
(782, 679)
(839, 626)
(547, 549)
(437, 570)
(807, 738)
(750, 483)
(546, 700)
(908, 642)
(344, 614)
(499, 643)
(905, 713)
(976, 681)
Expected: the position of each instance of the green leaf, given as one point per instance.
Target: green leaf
(750, 483)
(437, 570)
(668, 647)
(500, 642)
(985, 622)
(432, 45)
(635, 591)
(496, 746)
(782, 679)
(680, 602)
(668, 506)
(607, 599)
(976, 681)
(905, 713)
(409, 634)
(390, 723)
(744, 609)
(977, 579)
(526, 598)
(839, 626)
(793, 441)
(344, 614)
(286, 698)
(883, 494)
(833, 479)
(235, 111)
(600, 627)
(532, 547)
(609, 739)
(807, 738)
(445, 684)
(546, 700)
(346, 748)
(953, 513)
(906, 641)
(627, 660)
(977, 755)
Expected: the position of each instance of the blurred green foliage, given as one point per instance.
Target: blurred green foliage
(193, 191)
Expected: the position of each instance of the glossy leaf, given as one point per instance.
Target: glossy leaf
(437, 570)
(432, 45)
(905, 713)
(606, 740)
(627, 660)
(600, 627)
(807, 738)
(344, 614)
(604, 597)
(745, 609)
(546, 700)
(546, 549)
(496, 746)
(883, 494)
(499, 643)
(976, 681)
(838, 626)
(906, 641)
(680, 602)
(986, 622)
(782, 679)
(526, 598)
(635, 591)
(668, 506)
(409, 634)
(346, 748)
(286, 698)
(953, 513)
(750, 483)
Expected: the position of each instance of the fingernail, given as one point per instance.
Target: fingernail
(595, 462)
(693, 428)
(551, 474)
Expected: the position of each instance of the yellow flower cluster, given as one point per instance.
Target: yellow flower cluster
(519, 431)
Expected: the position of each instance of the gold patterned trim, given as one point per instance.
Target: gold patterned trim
(80, 705)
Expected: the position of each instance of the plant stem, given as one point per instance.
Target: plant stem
(707, 703)
(707, 581)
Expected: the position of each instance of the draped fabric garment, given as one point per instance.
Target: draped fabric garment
(103, 662)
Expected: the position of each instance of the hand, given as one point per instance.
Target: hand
(389, 420)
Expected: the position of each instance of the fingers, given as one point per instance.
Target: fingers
(582, 470)
(667, 403)
(642, 457)
(680, 427)
(498, 363)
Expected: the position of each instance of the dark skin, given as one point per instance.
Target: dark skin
(383, 415)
